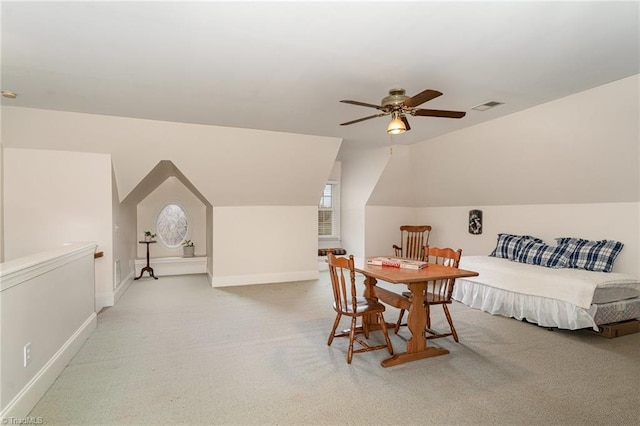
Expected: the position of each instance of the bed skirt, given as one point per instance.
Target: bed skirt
(540, 310)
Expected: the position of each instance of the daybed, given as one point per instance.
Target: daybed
(529, 280)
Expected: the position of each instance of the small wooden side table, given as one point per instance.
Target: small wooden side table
(147, 268)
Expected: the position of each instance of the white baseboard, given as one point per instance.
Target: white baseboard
(104, 300)
(124, 285)
(20, 406)
(236, 280)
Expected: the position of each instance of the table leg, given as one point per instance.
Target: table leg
(370, 320)
(417, 322)
(369, 284)
(417, 319)
(147, 268)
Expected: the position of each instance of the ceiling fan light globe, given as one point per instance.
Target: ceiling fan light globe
(396, 126)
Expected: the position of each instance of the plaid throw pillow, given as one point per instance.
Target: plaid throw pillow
(509, 245)
(592, 255)
(544, 255)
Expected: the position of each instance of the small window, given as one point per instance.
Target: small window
(172, 225)
(329, 211)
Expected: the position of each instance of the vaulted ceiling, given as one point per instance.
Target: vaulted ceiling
(285, 66)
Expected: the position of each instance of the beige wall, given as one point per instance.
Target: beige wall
(383, 227)
(229, 166)
(1, 198)
(266, 244)
(617, 221)
(360, 174)
(396, 185)
(256, 171)
(567, 168)
(580, 149)
(171, 191)
(57, 197)
(124, 240)
(597, 221)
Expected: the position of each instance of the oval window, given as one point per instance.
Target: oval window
(172, 225)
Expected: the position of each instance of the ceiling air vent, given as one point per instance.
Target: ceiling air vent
(487, 105)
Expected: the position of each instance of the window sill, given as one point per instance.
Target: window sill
(329, 242)
(174, 265)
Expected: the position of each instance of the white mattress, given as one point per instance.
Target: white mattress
(562, 298)
(575, 286)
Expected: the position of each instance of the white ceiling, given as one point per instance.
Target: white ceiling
(285, 66)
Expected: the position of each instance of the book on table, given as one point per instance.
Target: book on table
(396, 262)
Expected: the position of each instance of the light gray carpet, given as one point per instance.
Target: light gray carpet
(176, 351)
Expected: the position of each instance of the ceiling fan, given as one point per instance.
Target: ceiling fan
(399, 105)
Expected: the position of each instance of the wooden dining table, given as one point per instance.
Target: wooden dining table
(416, 281)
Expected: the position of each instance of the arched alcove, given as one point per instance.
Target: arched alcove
(163, 185)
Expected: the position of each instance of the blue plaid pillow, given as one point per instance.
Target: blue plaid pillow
(509, 245)
(544, 255)
(592, 255)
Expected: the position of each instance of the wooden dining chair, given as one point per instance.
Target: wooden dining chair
(413, 239)
(438, 292)
(346, 302)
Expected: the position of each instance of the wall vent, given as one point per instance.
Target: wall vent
(487, 105)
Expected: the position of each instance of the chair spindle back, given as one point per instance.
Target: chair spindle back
(442, 289)
(413, 239)
(344, 291)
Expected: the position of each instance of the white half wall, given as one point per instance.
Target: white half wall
(47, 301)
(266, 244)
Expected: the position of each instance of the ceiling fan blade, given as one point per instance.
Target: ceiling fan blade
(362, 119)
(406, 122)
(422, 97)
(345, 101)
(438, 113)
